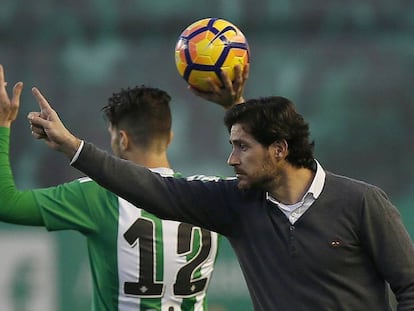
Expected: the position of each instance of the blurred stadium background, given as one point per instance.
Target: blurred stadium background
(349, 67)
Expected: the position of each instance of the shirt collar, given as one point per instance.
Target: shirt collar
(315, 188)
(318, 181)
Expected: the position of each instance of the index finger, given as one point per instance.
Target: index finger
(41, 100)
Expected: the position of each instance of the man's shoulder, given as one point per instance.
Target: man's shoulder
(345, 183)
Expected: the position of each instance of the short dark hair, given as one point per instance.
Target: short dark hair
(274, 118)
(142, 111)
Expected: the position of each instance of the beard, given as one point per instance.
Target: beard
(259, 177)
(254, 183)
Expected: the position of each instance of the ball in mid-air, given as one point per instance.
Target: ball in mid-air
(207, 47)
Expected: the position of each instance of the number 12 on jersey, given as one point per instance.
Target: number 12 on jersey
(192, 243)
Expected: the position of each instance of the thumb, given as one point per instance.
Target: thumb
(41, 100)
(36, 120)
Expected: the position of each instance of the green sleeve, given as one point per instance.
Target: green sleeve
(17, 207)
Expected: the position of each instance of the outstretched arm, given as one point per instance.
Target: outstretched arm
(168, 198)
(18, 207)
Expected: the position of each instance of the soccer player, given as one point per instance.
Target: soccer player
(138, 261)
(306, 239)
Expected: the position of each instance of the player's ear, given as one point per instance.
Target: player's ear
(123, 140)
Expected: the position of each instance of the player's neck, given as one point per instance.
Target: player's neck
(150, 160)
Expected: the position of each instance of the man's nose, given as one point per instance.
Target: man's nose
(232, 159)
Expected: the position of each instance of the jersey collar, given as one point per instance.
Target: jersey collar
(163, 171)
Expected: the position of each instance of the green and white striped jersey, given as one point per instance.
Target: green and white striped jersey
(138, 261)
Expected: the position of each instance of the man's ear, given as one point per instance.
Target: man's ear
(123, 140)
(281, 149)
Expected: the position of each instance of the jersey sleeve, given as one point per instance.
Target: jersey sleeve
(17, 207)
(76, 205)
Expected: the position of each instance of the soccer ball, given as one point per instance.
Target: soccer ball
(207, 47)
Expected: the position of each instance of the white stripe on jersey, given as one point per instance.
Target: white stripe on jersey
(128, 258)
(84, 179)
(171, 265)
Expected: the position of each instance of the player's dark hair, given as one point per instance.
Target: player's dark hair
(274, 118)
(142, 111)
